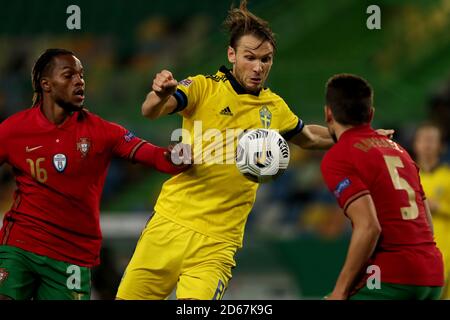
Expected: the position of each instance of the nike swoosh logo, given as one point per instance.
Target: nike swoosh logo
(28, 149)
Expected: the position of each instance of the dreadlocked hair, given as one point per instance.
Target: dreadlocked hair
(240, 22)
(41, 67)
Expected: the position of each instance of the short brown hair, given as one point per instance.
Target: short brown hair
(241, 22)
(350, 98)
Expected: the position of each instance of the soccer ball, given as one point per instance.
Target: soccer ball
(262, 155)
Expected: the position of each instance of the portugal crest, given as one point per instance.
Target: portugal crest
(60, 162)
(266, 117)
(83, 145)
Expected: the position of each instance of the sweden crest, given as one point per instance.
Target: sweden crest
(266, 117)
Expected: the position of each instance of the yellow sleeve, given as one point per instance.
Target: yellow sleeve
(444, 205)
(290, 124)
(190, 92)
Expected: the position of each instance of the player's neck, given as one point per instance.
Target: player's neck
(427, 164)
(53, 112)
(340, 129)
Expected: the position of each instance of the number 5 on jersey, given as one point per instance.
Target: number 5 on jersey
(393, 162)
(40, 174)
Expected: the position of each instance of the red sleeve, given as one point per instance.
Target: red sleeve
(153, 156)
(3, 140)
(124, 143)
(127, 145)
(342, 179)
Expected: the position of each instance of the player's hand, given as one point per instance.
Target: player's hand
(164, 84)
(179, 155)
(386, 132)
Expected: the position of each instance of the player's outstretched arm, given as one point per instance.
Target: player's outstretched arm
(172, 160)
(318, 137)
(313, 137)
(160, 101)
(366, 231)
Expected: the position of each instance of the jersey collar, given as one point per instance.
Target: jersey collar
(43, 121)
(238, 88)
(356, 130)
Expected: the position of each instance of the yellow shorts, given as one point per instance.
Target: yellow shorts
(169, 255)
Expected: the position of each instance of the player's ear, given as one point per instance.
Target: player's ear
(45, 85)
(328, 114)
(372, 113)
(231, 55)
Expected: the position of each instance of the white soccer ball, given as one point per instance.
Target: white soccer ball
(262, 155)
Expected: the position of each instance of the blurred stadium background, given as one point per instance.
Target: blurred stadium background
(296, 237)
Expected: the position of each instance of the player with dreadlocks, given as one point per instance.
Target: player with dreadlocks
(60, 153)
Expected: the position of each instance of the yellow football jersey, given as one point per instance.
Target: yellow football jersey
(213, 197)
(436, 185)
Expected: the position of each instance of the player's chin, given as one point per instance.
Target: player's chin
(72, 106)
(253, 87)
(78, 102)
(77, 106)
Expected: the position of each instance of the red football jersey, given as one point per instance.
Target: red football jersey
(363, 162)
(60, 171)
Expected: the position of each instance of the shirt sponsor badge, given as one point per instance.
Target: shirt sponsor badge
(128, 136)
(60, 162)
(185, 83)
(344, 184)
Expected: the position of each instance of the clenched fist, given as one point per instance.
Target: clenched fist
(164, 85)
